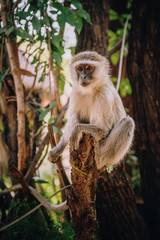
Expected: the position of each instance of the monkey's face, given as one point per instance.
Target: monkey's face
(85, 74)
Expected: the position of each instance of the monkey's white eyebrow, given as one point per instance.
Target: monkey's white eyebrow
(95, 63)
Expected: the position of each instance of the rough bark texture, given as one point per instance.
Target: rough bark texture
(99, 13)
(144, 73)
(116, 209)
(81, 199)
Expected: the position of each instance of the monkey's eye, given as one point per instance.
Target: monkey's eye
(89, 68)
(79, 68)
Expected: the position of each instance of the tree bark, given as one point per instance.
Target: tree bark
(14, 63)
(116, 207)
(94, 37)
(82, 196)
(144, 73)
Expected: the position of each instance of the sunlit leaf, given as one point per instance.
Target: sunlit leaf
(36, 23)
(57, 130)
(52, 105)
(77, 4)
(43, 114)
(113, 15)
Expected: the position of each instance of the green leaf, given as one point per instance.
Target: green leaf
(61, 20)
(52, 105)
(40, 181)
(50, 121)
(57, 40)
(34, 60)
(64, 120)
(36, 23)
(57, 57)
(58, 6)
(77, 4)
(113, 15)
(84, 14)
(43, 114)
(10, 30)
(57, 130)
(2, 76)
(23, 34)
(41, 78)
(69, 16)
(78, 24)
(61, 84)
(3, 29)
(23, 15)
(45, 21)
(115, 58)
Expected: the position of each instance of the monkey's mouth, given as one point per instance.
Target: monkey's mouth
(85, 84)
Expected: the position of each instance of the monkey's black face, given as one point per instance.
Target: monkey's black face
(84, 73)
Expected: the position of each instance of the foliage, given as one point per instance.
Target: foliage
(114, 38)
(30, 25)
(34, 226)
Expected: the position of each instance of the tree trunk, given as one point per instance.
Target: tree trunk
(116, 207)
(82, 196)
(14, 63)
(94, 37)
(144, 73)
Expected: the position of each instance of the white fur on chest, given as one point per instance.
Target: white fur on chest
(94, 108)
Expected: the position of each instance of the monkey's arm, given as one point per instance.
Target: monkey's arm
(116, 145)
(56, 151)
(92, 129)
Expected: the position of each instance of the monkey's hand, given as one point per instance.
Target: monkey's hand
(79, 129)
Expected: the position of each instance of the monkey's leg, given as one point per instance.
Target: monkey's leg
(91, 129)
(116, 145)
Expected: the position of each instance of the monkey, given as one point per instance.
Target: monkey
(95, 107)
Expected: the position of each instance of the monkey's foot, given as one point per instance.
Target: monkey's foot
(75, 139)
(53, 155)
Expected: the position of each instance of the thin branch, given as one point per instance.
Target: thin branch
(11, 189)
(34, 82)
(51, 207)
(55, 208)
(116, 48)
(32, 168)
(61, 171)
(56, 93)
(15, 5)
(40, 163)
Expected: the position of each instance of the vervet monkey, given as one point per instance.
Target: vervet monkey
(96, 108)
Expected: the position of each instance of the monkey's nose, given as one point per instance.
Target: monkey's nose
(83, 76)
